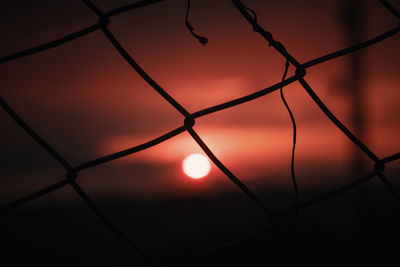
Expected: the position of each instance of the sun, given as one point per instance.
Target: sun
(196, 166)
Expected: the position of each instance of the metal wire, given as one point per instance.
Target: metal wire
(272, 217)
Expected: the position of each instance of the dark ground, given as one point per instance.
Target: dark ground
(338, 232)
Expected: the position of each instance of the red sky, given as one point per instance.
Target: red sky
(86, 101)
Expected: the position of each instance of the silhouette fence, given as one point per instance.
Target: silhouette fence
(189, 120)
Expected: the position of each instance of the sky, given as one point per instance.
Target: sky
(87, 102)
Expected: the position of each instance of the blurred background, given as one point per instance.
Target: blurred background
(87, 102)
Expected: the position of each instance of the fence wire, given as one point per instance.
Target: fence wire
(189, 120)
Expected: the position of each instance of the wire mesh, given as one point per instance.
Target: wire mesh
(189, 119)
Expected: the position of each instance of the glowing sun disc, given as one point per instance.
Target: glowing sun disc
(196, 166)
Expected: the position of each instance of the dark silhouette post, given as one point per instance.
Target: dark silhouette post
(354, 25)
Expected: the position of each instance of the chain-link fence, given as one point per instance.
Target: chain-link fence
(189, 120)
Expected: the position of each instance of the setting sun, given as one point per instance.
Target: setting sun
(196, 166)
